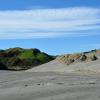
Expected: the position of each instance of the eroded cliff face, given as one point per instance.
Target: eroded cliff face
(79, 57)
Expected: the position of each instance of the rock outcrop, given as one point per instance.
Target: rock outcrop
(79, 57)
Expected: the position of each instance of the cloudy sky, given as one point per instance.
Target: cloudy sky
(53, 26)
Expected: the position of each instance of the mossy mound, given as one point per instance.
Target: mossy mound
(22, 59)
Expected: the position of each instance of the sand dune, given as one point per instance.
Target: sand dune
(56, 66)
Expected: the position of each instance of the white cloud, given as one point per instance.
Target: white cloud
(38, 23)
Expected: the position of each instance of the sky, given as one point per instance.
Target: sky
(53, 26)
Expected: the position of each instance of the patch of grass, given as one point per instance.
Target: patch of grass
(26, 54)
(42, 57)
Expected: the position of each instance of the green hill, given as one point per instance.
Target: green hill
(22, 59)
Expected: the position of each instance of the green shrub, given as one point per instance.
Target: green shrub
(42, 57)
(93, 57)
(30, 62)
(35, 51)
(14, 52)
(14, 61)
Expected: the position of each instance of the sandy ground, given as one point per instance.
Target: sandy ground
(48, 86)
(52, 81)
(92, 67)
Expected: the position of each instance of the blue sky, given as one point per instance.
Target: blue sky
(28, 4)
(53, 26)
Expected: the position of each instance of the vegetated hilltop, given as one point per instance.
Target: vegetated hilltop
(79, 57)
(22, 59)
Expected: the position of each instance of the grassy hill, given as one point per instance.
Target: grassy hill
(22, 59)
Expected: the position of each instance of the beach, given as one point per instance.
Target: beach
(48, 86)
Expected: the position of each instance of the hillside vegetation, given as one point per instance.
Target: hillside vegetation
(22, 59)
